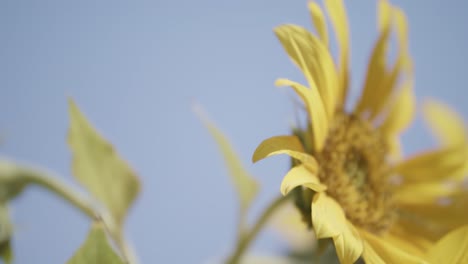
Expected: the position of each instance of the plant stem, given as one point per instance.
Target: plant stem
(60, 189)
(244, 242)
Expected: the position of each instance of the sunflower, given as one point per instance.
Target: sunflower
(362, 191)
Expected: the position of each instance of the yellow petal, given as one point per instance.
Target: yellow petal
(315, 61)
(452, 248)
(329, 220)
(337, 12)
(447, 125)
(401, 29)
(300, 53)
(315, 109)
(416, 224)
(378, 251)
(384, 11)
(406, 240)
(387, 89)
(446, 214)
(441, 164)
(423, 193)
(301, 176)
(376, 70)
(348, 245)
(318, 19)
(289, 145)
(328, 217)
(394, 149)
(401, 114)
(402, 64)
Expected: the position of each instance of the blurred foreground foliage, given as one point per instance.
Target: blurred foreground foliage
(111, 188)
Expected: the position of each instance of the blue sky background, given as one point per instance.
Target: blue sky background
(135, 67)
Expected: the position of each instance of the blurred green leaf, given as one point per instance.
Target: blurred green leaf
(6, 231)
(98, 167)
(96, 249)
(6, 253)
(246, 186)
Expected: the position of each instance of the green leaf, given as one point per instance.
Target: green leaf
(96, 249)
(6, 231)
(246, 186)
(97, 166)
(6, 253)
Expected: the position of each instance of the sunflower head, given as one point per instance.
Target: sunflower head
(354, 168)
(351, 149)
(344, 160)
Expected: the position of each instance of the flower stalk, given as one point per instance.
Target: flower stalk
(249, 236)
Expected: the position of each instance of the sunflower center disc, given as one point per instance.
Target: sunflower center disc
(353, 166)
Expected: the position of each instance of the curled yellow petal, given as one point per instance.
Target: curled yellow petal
(337, 12)
(348, 245)
(315, 61)
(277, 145)
(318, 19)
(301, 176)
(328, 220)
(446, 124)
(289, 145)
(328, 217)
(315, 110)
(452, 248)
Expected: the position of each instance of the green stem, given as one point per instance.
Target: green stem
(12, 174)
(244, 242)
(60, 189)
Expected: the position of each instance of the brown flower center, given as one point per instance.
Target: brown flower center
(354, 168)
